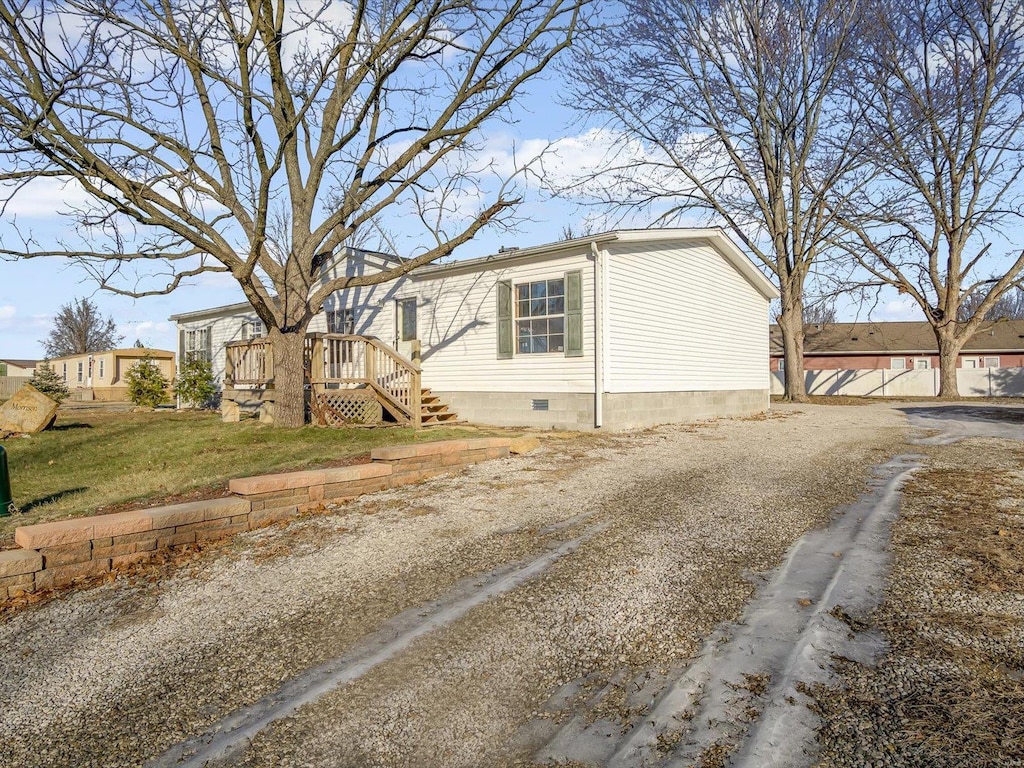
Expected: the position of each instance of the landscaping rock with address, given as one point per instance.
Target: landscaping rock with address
(29, 411)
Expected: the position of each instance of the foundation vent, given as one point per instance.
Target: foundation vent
(539, 405)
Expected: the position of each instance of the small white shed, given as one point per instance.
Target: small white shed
(618, 330)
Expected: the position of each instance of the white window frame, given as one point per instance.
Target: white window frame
(992, 361)
(65, 372)
(965, 360)
(341, 321)
(521, 321)
(101, 368)
(81, 371)
(897, 363)
(922, 363)
(782, 364)
(253, 329)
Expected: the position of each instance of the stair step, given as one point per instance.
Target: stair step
(439, 418)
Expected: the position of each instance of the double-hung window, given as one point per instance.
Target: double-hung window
(253, 329)
(540, 316)
(341, 321)
(537, 317)
(197, 345)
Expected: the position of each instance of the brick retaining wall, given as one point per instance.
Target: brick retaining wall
(56, 554)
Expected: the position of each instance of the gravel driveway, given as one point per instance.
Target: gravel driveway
(460, 622)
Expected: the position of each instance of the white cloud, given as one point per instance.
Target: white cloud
(43, 197)
(899, 309)
(7, 312)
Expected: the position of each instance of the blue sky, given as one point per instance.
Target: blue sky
(32, 291)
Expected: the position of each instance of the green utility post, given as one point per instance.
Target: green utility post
(6, 502)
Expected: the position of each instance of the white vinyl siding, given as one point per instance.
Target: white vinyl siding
(458, 330)
(368, 307)
(681, 318)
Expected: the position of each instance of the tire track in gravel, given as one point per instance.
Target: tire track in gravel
(228, 736)
(740, 697)
(665, 529)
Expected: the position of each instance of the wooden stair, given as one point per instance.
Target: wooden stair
(434, 412)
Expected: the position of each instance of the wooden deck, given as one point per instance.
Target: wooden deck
(352, 379)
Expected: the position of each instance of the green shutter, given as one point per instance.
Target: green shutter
(504, 319)
(574, 314)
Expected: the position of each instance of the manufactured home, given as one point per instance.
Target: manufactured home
(102, 375)
(619, 330)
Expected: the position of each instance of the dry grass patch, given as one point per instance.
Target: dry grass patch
(950, 689)
(93, 462)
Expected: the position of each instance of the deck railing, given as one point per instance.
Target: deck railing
(248, 363)
(336, 361)
(347, 361)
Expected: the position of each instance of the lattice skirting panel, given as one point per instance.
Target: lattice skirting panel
(338, 407)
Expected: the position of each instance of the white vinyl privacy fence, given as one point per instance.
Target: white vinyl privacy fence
(880, 382)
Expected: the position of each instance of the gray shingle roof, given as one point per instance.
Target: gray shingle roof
(903, 337)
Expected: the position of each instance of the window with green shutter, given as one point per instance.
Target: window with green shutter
(541, 317)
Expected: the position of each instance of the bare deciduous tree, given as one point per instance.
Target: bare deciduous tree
(1009, 306)
(256, 137)
(728, 109)
(940, 88)
(78, 328)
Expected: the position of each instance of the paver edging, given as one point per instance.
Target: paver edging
(59, 553)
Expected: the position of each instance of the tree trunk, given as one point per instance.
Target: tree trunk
(949, 353)
(791, 323)
(289, 377)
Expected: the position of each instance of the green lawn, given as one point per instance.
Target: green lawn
(92, 460)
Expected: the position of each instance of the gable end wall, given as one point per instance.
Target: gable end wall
(682, 319)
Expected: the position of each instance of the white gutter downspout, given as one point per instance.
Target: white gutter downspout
(599, 334)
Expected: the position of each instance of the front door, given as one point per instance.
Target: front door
(406, 335)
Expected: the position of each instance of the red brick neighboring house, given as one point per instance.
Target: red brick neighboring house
(900, 346)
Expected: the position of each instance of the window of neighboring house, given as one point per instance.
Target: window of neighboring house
(782, 363)
(922, 363)
(197, 345)
(101, 368)
(341, 321)
(253, 329)
(968, 362)
(81, 370)
(898, 363)
(991, 362)
(64, 372)
(540, 316)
